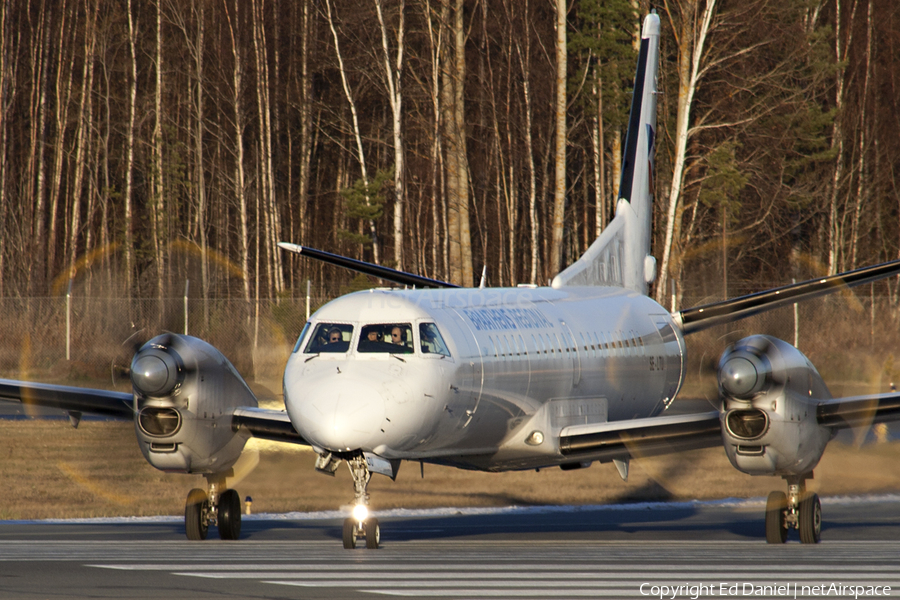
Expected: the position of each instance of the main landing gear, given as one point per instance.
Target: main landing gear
(798, 509)
(218, 507)
(361, 525)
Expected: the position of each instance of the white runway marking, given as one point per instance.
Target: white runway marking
(499, 571)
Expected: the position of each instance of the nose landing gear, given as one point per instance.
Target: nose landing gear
(361, 525)
(798, 509)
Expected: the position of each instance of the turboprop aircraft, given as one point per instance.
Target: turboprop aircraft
(497, 379)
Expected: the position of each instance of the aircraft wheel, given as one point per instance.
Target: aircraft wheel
(373, 533)
(196, 508)
(229, 517)
(350, 531)
(810, 519)
(776, 504)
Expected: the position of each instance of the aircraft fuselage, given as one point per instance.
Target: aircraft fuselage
(509, 370)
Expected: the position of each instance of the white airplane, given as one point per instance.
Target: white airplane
(497, 379)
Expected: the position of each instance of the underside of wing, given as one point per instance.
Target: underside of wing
(619, 440)
(73, 399)
(266, 424)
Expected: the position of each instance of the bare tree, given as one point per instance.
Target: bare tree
(692, 35)
(239, 177)
(361, 156)
(82, 135)
(559, 190)
(393, 78)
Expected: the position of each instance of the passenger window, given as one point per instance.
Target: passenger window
(392, 338)
(431, 341)
(329, 337)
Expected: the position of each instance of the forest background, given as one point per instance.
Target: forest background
(147, 144)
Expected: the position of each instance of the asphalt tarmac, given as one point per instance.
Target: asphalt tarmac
(688, 550)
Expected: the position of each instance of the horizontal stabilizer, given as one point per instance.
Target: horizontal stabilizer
(266, 424)
(641, 437)
(709, 315)
(69, 398)
(386, 273)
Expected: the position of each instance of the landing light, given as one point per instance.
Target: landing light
(535, 439)
(360, 512)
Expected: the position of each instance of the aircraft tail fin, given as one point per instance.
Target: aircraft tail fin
(621, 255)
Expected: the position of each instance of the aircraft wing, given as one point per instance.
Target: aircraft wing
(641, 437)
(386, 273)
(73, 399)
(266, 424)
(709, 315)
(859, 411)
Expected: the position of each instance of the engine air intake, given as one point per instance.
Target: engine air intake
(159, 421)
(747, 424)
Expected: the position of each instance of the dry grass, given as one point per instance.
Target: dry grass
(51, 470)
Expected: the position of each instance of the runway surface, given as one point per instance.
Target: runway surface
(595, 552)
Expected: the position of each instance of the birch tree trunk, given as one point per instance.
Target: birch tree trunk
(837, 146)
(451, 160)
(267, 183)
(437, 159)
(201, 176)
(157, 206)
(6, 90)
(598, 144)
(42, 61)
(462, 161)
(524, 60)
(306, 145)
(862, 181)
(393, 77)
(83, 132)
(691, 39)
(356, 130)
(559, 190)
(239, 178)
(129, 156)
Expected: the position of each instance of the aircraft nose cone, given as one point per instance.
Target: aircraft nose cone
(343, 416)
(739, 377)
(149, 373)
(155, 372)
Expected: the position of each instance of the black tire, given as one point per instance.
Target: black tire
(810, 519)
(349, 534)
(373, 534)
(229, 515)
(776, 504)
(196, 507)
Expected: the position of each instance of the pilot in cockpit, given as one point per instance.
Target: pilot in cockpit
(334, 336)
(397, 336)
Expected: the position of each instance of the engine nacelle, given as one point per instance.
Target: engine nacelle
(185, 392)
(770, 392)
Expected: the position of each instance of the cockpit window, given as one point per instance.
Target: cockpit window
(431, 341)
(393, 338)
(329, 337)
(300, 339)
